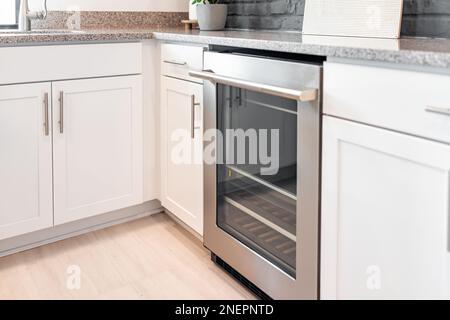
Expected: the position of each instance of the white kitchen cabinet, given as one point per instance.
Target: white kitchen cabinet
(69, 61)
(181, 150)
(179, 59)
(385, 214)
(97, 151)
(25, 159)
(401, 100)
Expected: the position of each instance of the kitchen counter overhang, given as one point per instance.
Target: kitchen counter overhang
(408, 51)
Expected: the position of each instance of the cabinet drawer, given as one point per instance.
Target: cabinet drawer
(177, 60)
(74, 61)
(407, 101)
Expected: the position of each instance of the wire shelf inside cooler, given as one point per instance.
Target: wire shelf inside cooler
(265, 205)
(263, 239)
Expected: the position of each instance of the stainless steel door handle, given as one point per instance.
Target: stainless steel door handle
(46, 116)
(175, 63)
(61, 112)
(299, 95)
(444, 111)
(193, 105)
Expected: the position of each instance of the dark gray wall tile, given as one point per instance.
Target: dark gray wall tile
(428, 18)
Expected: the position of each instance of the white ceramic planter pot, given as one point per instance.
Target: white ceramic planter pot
(192, 11)
(212, 16)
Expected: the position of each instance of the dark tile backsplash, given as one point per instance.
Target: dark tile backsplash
(428, 18)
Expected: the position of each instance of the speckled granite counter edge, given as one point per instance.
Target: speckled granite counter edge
(70, 38)
(411, 51)
(408, 57)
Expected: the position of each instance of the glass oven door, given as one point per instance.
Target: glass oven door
(257, 177)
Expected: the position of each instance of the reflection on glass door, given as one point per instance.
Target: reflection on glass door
(257, 177)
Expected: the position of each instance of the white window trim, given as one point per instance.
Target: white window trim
(11, 26)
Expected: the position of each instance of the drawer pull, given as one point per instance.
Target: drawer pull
(175, 63)
(438, 110)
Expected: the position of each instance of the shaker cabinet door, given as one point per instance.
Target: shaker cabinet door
(385, 214)
(97, 151)
(181, 158)
(26, 203)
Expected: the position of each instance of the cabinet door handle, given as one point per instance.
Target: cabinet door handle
(175, 63)
(193, 105)
(46, 116)
(61, 112)
(438, 110)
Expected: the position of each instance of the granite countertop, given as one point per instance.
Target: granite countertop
(14, 38)
(412, 51)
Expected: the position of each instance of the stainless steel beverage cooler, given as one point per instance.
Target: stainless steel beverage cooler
(263, 221)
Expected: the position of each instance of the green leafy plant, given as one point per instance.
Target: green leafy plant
(205, 1)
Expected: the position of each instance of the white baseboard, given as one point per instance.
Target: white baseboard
(43, 237)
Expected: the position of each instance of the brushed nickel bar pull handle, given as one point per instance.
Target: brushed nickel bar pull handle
(444, 111)
(61, 112)
(192, 117)
(175, 63)
(193, 105)
(298, 95)
(46, 116)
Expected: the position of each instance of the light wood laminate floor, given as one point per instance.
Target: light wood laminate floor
(150, 258)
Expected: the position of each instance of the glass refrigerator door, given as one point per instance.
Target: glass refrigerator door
(257, 175)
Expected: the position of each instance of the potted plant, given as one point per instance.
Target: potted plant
(211, 15)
